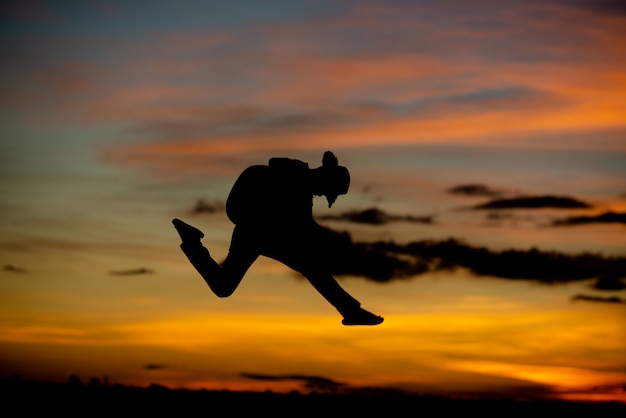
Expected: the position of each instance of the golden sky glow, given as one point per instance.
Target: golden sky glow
(116, 119)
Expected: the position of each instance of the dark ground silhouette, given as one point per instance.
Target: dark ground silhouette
(74, 398)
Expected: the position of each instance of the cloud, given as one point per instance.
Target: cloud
(608, 7)
(131, 272)
(474, 190)
(609, 282)
(14, 269)
(374, 74)
(534, 202)
(316, 383)
(375, 216)
(154, 366)
(203, 206)
(383, 261)
(590, 298)
(606, 217)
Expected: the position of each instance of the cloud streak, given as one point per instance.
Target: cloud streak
(374, 216)
(203, 206)
(14, 269)
(534, 202)
(474, 190)
(131, 272)
(375, 74)
(603, 299)
(387, 261)
(316, 383)
(604, 218)
(154, 366)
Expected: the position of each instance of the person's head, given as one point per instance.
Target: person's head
(331, 179)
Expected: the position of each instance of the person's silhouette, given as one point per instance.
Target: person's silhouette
(272, 209)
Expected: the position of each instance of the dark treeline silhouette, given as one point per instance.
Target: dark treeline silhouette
(313, 383)
(24, 398)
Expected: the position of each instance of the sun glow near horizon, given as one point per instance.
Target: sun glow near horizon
(449, 340)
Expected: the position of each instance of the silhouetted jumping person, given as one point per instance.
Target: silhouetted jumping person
(272, 209)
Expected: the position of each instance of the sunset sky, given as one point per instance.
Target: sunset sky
(486, 142)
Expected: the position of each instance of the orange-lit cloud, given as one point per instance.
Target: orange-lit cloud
(432, 82)
(538, 75)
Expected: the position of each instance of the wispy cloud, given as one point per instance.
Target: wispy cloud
(592, 298)
(316, 383)
(386, 261)
(604, 218)
(375, 74)
(202, 206)
(14, 269)
(154, 366)
(131, 272)
(374, 216)
(534, 202)
(474, 190)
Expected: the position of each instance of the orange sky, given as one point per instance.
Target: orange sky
(117, 119)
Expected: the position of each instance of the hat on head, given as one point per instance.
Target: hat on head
(337, 176)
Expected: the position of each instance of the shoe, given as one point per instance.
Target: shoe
(187, 232)
(362, 317)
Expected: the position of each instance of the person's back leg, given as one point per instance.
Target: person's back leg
(313, 269)
(348, 307)
(222, 280)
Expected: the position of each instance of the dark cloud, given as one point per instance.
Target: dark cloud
(375, 216)
(609, 282)
(346, 257)
(131, 272)
(154, 366)
(14, 269)
(531, 400)
(385, 261)
(590, 298)
(609, 7)
(317, 383)
(474, 190)
(534, 202)
(203, 206)
(499, 216)
(604, 218)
